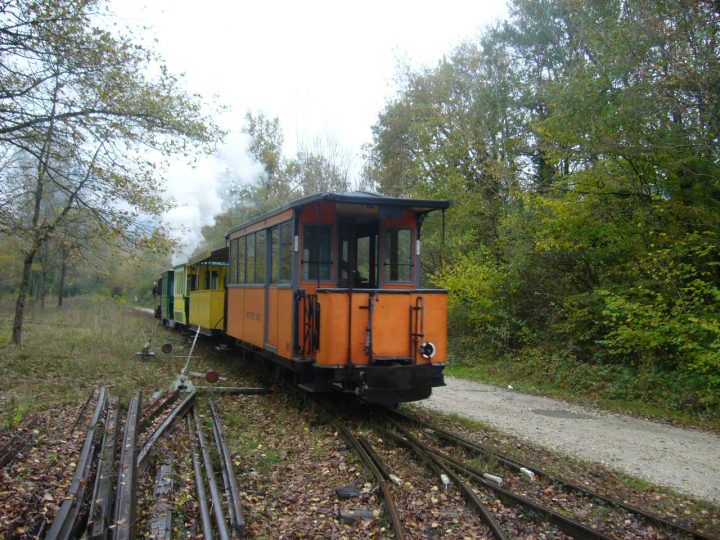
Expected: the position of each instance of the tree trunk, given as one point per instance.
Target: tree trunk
(22, 296)
(61, 285)
(43, 288)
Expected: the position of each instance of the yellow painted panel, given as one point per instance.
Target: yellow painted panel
(179, 310)
(207, 309)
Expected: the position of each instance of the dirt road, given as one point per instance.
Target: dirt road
(684, 459)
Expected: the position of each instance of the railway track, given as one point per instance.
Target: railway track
(121, 452)
(517, 473)
(419, 480)
(508, 488)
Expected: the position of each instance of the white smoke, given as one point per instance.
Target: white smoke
(201, 191)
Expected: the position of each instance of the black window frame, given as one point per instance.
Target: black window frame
(241, 259)
(323, 267)
(250, 261)
(233, 261)
(260, 252)
(285, 270)
(273, 236)
(388, 265)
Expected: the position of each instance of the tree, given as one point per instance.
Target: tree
(581, 144)
(77, 105)
(319, 167)
(266, 143)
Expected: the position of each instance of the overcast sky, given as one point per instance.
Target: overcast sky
(324, 68)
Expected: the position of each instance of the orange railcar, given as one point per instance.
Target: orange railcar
(329, 287)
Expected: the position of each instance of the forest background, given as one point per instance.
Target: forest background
(579, 143)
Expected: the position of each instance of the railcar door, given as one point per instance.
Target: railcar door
(278, 290)
(358, 253)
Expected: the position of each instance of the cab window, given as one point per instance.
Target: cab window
(398, 255)
(317, 252)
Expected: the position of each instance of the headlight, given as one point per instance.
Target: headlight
(428, 349)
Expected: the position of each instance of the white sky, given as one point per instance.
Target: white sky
(324, 68)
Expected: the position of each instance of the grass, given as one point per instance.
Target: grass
(657, 395)
(66, 352)
(15, 412)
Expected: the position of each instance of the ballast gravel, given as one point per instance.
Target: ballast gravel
(687, 460)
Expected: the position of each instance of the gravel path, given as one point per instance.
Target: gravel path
(684, 459)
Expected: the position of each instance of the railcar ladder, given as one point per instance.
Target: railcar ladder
(417, 327)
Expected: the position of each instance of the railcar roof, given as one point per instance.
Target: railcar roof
(216, 255)
(353, 197)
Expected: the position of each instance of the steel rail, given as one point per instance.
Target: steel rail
(212, 482)
(654, 519)
(161, 520)
(370, 464)
(100, 513)
(237, 521)
(379, 463)
(201, 494)
(124, 524)
(567, 525)
(65, 524)
(181, 409)
(235, 390)
(83, 409)
(225, 479)
(439, 468)
(159, 408)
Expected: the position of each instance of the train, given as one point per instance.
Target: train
(328, 287)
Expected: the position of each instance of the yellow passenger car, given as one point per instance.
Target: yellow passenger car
(181, 301)
(207, 291)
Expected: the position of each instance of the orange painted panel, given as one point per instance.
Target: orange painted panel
(272, 333)
(334, 322)
(333, 329)
(435, 324)
(235, 312)
(359, 328)
(284, 319)
(391, 325)
(254, 316)
(390, 329)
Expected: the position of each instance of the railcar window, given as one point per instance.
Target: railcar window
(260, 257)
(241, 259)
(345, 261)
(398, 255)
(250, 259)
(232, 257)
(274, 238)
(317, 252)
(286, 251)
(364, 265)
(179, 282)
(191, 282)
